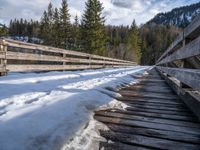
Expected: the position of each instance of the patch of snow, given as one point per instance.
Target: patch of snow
(48, 110)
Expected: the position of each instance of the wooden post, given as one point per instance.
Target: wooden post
(64, 63)
(184, 64)
(3, 61)
(90, 58)
(104, 64)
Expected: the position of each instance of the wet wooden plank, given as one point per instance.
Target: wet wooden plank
(120, 146)
(150, 125)
(148, 141)
(154, 118)
(159, 111)
(157, 115)
(170, 135)
(152, 100)
(159, 107)
(149, 95)
(147, 119)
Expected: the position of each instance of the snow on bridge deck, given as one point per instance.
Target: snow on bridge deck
(45, 111)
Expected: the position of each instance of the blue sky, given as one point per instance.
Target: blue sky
(117, 12)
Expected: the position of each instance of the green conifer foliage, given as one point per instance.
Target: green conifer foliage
(65, 25)
(92, 28)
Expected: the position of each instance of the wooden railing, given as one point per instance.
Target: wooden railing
(18, 56)
(180, 66)
(182, 58)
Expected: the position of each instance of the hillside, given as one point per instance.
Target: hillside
(179, 17)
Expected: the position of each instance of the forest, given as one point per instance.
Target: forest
(143, 44)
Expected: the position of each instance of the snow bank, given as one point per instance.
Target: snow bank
(51, 110)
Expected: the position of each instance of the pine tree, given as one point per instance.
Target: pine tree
(65, 26)
(92, 28)
(134, 44)
(56, 29)
(76, 34)
(45, 27)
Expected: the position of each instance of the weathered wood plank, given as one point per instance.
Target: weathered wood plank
(148, 141)
(149, 95)
(170, 135)
(38, 57)
(178, 40)
(169, 112)
(120, 146)
(19, 44)
(190, 77)
(153, 100)
(143, 124)
(159, 107)
(2, 56)
(193, 27)
(147, 119)
(191, 99)
(22, 68)
(190, 50)
(157, 115)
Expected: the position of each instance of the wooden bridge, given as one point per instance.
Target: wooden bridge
(18, 56)
(164, 108)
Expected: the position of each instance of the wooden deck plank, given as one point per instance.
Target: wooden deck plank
(152, 100)
(120, 146)
(148, 141)
(155, 118)
(157, 115)
(147, 119)
(144, 124)
(159, 111)
(170, 135)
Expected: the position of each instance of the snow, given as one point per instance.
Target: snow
(54, 110)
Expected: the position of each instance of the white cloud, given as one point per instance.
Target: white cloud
(117, 12)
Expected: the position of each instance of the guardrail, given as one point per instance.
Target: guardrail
(19, 56)
(186, 50)
(180, 66)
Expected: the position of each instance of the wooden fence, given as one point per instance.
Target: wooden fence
(180, 65)
(18, 56)
(182, 58)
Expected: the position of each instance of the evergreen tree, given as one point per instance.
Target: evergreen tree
(3, 30)
(65, 26)
(134, 44)
(56, 29)
(92, 28)
(76, 34)
(45, 27)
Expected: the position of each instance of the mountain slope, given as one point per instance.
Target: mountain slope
(179, 17)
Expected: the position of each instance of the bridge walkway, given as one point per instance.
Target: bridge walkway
(155, 119)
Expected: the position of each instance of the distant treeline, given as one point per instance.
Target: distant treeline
(143, 45)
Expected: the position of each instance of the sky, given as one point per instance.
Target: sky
(117, 12)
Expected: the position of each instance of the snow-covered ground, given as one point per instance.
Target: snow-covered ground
(50, 110)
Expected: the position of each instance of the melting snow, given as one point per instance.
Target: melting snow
(51, 110)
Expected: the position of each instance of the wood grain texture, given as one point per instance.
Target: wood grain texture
(155, 119)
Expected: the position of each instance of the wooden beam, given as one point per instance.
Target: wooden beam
(23, 68)
(172, 46)
(190, 50)
(189, 97)
(18, 44)
(190, 77)
(193, 27)
(48, 58)
(190, 32)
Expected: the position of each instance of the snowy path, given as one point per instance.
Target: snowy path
(44, 111)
